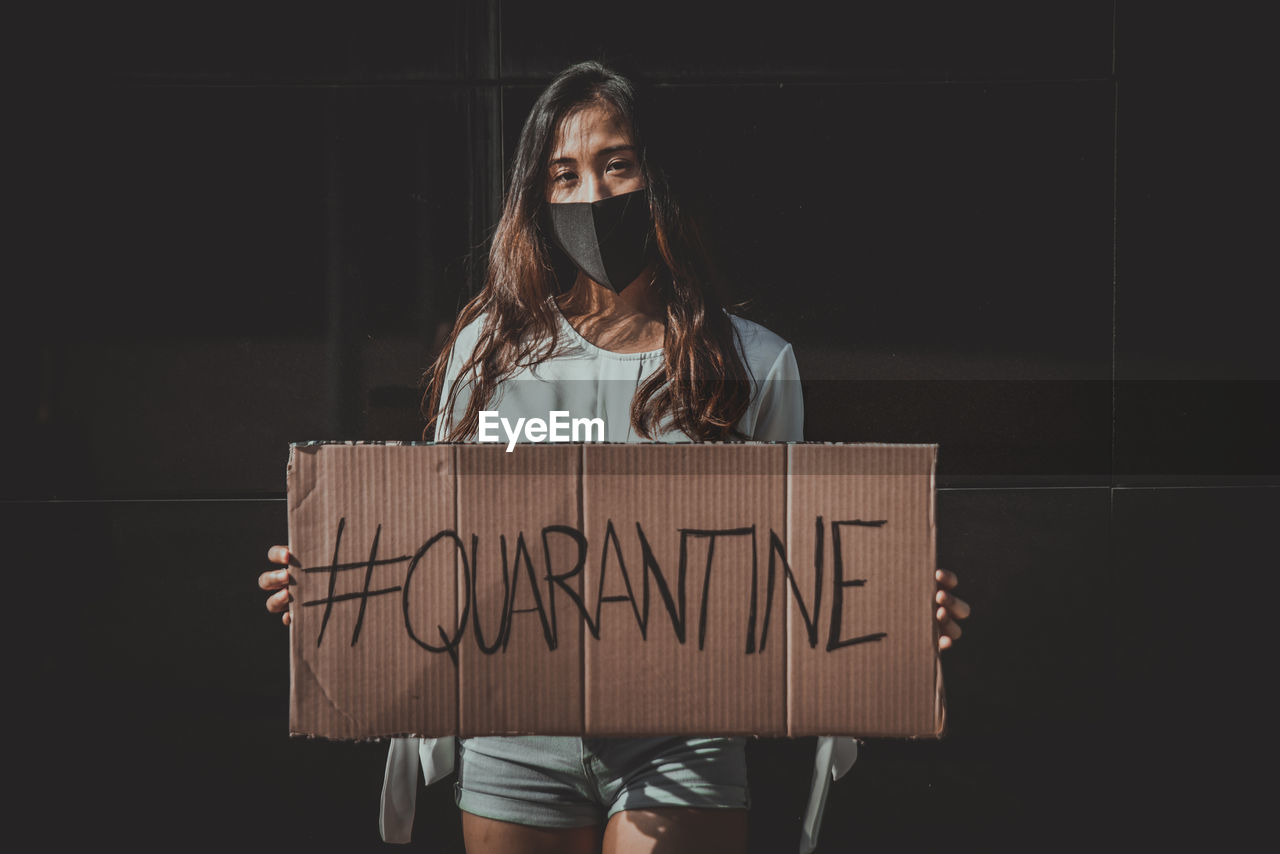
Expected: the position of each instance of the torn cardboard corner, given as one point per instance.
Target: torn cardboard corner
(614, 590)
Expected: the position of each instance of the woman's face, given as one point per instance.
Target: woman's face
(593, 157)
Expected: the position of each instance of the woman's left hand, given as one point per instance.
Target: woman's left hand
(950, 608)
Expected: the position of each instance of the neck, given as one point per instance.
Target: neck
(638, 302)
(632, 321)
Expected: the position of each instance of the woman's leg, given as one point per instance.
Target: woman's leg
(676, 830)
(490, 836)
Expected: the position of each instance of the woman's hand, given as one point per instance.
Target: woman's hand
(950, 608)
(278, 580)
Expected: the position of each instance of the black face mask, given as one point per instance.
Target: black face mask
(610, 240)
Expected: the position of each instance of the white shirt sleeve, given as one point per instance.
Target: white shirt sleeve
(780, 405)
(462, 350)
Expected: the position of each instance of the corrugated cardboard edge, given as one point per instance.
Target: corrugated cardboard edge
(298, 664)
(940, 694)
(582, 626)
(291, 474)
(293, 671)
(787, 502)
(459, 573)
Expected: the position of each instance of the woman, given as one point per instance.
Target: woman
(641, 340)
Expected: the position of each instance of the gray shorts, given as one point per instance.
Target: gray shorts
(564, 781)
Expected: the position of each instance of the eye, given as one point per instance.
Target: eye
(563, 177)
(618, 165)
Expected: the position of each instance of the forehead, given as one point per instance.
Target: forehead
(588, 129)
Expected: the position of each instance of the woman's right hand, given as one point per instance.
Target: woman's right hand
(279, 581)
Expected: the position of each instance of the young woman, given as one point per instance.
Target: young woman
(641, 340)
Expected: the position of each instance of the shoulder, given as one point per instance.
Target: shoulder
(465, 343)
(470, 334)
(776, 413)
(760, 347)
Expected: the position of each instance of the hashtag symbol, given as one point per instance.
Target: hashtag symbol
(363, 594)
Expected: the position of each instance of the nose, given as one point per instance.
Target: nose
(594, 189)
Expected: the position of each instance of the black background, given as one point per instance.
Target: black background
(1013, 229)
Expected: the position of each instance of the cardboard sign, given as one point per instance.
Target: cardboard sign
(613, 590)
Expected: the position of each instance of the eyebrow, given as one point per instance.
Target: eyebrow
(609, 149)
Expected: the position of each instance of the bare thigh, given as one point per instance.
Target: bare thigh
(490, 836)
(676, 830)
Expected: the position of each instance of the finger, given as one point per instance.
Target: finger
(284, 618)
(946, 579)
(279, 602)
(278, 554)
(274, 579)
(958, 607)
(944, 642)
(949, 627)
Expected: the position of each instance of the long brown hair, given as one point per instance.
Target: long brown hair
(701, 387)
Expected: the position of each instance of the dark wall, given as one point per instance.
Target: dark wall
(992, 225)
